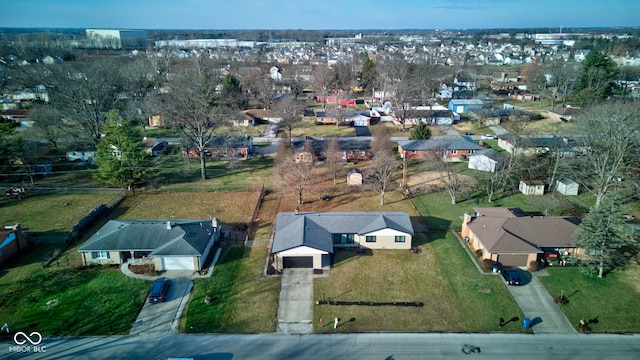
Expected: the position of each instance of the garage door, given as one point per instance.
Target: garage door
(513, 260)
(177, 263)
(298, 262)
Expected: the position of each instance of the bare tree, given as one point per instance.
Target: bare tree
(197, 107)
(290, 111)
(333, 157)
(402, 87)
(323, 79)
(292, 174)
(47, 124)
(449, 177)
(384, 163)
(609, 133)
(84, 92)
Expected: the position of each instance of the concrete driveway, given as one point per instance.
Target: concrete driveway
(295, 311)
(162, 318)
(536, 304)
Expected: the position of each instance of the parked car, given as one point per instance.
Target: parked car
(159, 290)
(511, 277)
(488, 137)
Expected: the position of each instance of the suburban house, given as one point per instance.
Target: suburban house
(224, 146)
(486, 160)
(347, 118)
(167, 244)
(12, 240)
(567, 145)
(156, 120)
(490, 117)
(81, 154)
(449, 148)
(308, 240)
(464, 105)
(513, 238)
(155, 147)
(252, 117)
(437, 116)
(351, 149)
(531, 187)
(563, 114)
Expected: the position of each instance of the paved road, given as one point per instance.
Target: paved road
(341, 346)
(536, 303)
(295, 310)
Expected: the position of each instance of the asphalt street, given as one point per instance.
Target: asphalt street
(340, 346)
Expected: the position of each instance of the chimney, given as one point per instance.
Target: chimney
(215, 223)
(465, 229)
(168, 225)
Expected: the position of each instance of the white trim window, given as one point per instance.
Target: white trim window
(400, 238)
(100, 255)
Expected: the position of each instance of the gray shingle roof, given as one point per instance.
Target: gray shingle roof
(453, 142)
(490, 153)
(348, 144)
(314, 229)
(185, 238)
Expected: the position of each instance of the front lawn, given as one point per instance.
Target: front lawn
(612, 301)
(480, 300)
(66, 301)
(241, 299)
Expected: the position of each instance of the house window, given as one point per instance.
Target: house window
(413, 151)
(100, 255)
(343, 238)
(400, 238)
(362, 153)
(454, 151)
(350, 152)
(371, 239)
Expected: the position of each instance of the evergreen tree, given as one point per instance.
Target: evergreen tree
(120, 154)
(420, 132)
(600, 233)
(597, 77)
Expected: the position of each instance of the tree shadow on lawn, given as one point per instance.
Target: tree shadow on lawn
(436, 224)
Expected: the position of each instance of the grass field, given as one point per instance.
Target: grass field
(51, 214)
(67, 299)
(242, 300)
(613, 300)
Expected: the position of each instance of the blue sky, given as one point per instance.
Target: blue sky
(327, 14)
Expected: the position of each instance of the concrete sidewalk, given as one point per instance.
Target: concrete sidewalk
(295, 310)
(536, 303)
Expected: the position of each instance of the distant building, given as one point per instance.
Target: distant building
(116, 39)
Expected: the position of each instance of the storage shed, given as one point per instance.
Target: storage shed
(567, 186)
(354, 177)
(532, 187)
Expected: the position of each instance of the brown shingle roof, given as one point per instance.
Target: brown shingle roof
(509, 230)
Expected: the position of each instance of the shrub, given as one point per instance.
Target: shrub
(487, 265)
(479, 253)
(533, 266)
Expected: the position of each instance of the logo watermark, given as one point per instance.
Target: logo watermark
(27, 343)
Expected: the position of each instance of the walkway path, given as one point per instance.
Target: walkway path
(295, 311)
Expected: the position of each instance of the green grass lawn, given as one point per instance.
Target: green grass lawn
(242, 300)
(613, 300)
(66, 301)
(480, 300)
(175, 173)
(51, 214)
